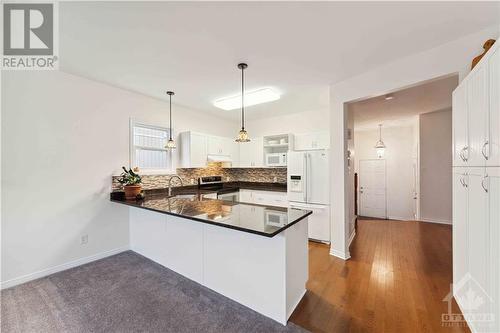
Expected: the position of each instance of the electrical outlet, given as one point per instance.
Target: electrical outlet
(84, 240)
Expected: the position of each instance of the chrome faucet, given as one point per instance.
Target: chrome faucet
(170, 183)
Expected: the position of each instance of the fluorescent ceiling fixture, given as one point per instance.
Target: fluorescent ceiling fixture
(255, 97)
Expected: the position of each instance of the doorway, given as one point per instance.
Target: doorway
(372, 188)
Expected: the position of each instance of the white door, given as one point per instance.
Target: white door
(251, 153)
(198, 151)
(477, 110)
(493, 148)
(318, 170)
(460, 183)
(460, 140)
(478, 229)
(372, 188)
(494, 217)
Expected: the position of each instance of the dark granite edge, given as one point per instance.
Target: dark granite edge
(257, 186)
(269, 235)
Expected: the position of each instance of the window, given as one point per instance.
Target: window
(147, 148)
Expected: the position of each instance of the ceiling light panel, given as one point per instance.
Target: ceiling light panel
(255, 97)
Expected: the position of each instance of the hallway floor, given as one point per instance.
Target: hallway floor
(395, 281)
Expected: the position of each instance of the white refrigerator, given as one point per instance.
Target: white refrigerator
(309, 188)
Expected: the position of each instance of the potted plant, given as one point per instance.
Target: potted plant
(131, 182)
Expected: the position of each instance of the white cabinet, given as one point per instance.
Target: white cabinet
(477, 111)
(460, 193)
(267, 198)
(460, 137)
(251, 154)
(493, 145)
(312, 141)
(217, 146)
(476, 192)
(193, 150)
(476, 114)
(478, 227)
(493, 187)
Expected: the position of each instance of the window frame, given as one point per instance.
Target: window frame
(132, 147)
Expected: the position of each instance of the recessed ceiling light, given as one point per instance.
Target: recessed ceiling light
(254, 97)
(389, 97)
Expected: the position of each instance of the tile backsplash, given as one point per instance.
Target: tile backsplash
(190, 176)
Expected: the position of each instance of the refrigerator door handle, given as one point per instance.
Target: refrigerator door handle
(309, 167)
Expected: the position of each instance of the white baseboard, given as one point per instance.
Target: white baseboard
(435, 221)
(340, 254)
(351, 238)
(60, 268)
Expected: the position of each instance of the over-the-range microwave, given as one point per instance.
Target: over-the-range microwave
(276, 159)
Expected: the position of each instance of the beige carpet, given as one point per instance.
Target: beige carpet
(125, 293)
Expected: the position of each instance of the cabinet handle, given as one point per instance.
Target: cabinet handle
(482, 183)
(483, 150)
(462, 182)
(461, 154)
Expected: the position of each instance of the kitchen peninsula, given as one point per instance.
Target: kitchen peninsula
(256, 255)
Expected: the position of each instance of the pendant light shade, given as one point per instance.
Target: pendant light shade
(380, 145)
(242, 135)
(170, 143)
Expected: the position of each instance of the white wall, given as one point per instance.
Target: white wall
(452, 57)
(62, 138)
(400, 165)
(300, 122)
(435, 166)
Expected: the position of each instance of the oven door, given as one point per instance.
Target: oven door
(231, 196)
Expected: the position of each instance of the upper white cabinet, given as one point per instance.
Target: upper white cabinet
(476, 114)
(193, 150)
(251, 153)
(493, 145)
(460, 136)
(312, 141)
(218, 145)
(477, 108)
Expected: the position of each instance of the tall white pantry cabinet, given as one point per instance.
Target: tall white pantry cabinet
(476, 194)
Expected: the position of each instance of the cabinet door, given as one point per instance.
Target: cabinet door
(303, 141)
(251, 153)
(460, 183)
(460, 139)
(494, 218)
(478, 234)
(246, 196)
(311, 141)
(228, 146)
(494, 116)
(198, 151)
(477, 111)
(257, 155)
(215, 145)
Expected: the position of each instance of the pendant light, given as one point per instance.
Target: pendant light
(242, 135)
(170, 143)
(380, 146)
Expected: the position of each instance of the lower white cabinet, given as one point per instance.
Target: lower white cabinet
(476, 255)
(267, 198)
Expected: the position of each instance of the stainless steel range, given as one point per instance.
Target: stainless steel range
(215, 183)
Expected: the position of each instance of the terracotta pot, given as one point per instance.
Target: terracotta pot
(131, 191)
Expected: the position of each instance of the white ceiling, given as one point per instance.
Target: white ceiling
(300, 48)
(405, 106)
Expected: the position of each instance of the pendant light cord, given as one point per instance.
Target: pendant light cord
(170, 102)
(242, 98)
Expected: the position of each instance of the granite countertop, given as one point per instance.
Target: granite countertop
(257, 219)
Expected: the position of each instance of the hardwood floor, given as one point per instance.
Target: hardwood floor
(395, 281)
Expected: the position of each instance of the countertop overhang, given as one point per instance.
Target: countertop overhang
(189, 203)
